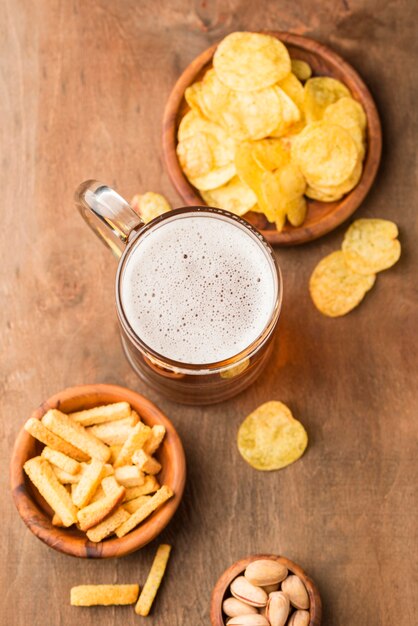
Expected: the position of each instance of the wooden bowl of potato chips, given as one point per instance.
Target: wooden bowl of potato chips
(39, 516)
(274, 127)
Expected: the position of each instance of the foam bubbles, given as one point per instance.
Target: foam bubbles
(198, 289)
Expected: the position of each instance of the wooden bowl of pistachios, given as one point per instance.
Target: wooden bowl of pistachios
(265, 590)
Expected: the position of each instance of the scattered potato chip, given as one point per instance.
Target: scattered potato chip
(325, 153)
(236, 370)
(251, 61)
(153, 582)
(235, 197)
(301, 69)
(271, 438)
(371, 245)
(320, 92)
(150, 205)
(335, 288)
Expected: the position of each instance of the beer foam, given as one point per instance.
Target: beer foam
(198, 289)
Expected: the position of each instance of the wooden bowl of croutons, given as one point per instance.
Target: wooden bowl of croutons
(97, 471)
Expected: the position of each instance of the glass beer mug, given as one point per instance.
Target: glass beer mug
(198, 295)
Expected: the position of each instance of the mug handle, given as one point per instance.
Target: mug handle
(110, 217)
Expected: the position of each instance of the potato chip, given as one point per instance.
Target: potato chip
(195, 155)
(301, 69)
(294, 89)
(209, 97)
(331, 193)
(271, 199)
(251, 61)
(335, 288)
(346, 112)
(270, 154)
(236, 370)
(150, 205)
(289, 114)
(235, 197)
(282, 193)
(271, 438)
(320, 92)
(349, 114)
(251, 174)
(370, 246)
(193, 123)
(325, 153)
(255, 114)
(215, 178)
(296, 210)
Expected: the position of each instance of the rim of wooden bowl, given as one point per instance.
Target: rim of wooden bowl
(222, 586)
(71, 541)
(324, 216)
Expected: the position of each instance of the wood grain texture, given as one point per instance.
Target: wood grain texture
(83, 88)
(322, 217)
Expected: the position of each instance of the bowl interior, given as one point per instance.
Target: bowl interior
(221, 589)
(37, 514)
(322, 217)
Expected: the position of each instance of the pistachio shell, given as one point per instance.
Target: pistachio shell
(296, 590)
(265, 572)
(248, 620)
(278, 607)
(233, 607)
(243, 590)
(299, 618)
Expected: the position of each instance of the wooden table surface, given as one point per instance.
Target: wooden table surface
(83, 87)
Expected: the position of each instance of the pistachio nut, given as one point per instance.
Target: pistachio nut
(233, 607)
(296, 590)
(299, 618)
(242, 589)
(248, 620)
(265, 572)
(278, 607)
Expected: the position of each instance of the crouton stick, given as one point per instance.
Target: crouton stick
(153, 582)
(90, 480)
(41, 474)
(102, 414)
(94, 513)
(108, 526)
(161, 496)
(145, 462)
(77, 435)
(150, 485)
(91, 595)
(113, 433)
(64, 462)
(153, 443)
(136, 440)
(38, 430)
